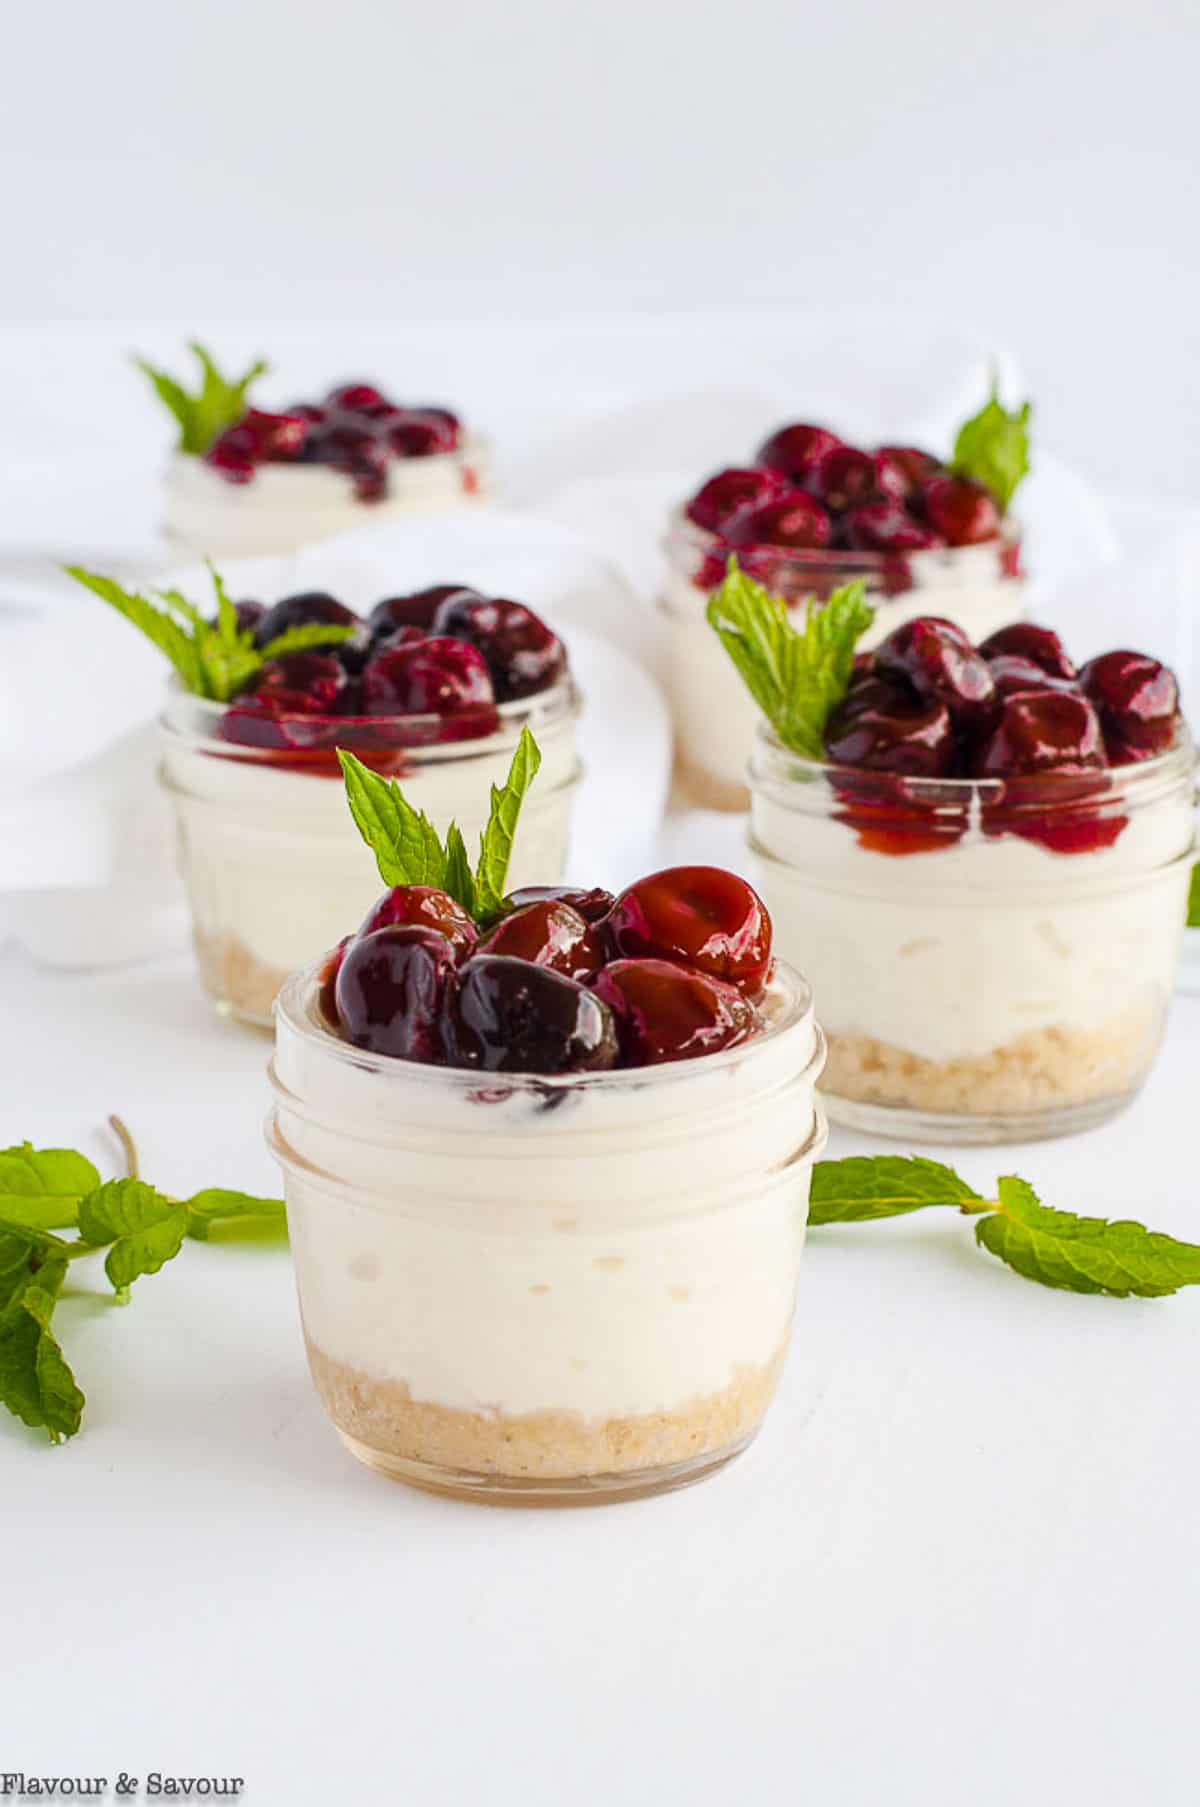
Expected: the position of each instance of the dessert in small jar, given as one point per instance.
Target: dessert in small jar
(244, 481)
(811, 513)
(984, 861)
(546, 1160)
(436, 685)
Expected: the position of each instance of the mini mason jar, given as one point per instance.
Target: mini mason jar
(979, 588)
(995, 958)
(275, 868)
(546, 1290)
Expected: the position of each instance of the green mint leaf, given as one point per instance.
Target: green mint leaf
(797, 676)
(312, 633)
(36, 1384)
(993, 447)
(227, 621)
(175, 599)
(144, 1227)
(217, 1208)
(1084, 1254)
(226, 669)
(460, 882)
(1193, 905)
(406, 845)
(40, 1188)
(216, 405)
(155, 623)
(496, 841)
(862, 1188)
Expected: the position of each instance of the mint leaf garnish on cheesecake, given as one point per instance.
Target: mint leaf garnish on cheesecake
(1056, 1248)
(215, 405)
(796, 675)
(409, 850)
(993, 447)
(213, 656)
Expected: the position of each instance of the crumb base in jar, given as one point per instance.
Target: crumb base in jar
(243, 986)
(1028, 1082)
(543, 1452)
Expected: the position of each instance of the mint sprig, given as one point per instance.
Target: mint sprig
(409, 850)
(139, 1230)
(993, 447)
(218, 402)
(1056, 1248)
(1193, 903)
(797, 676)
(213, 656)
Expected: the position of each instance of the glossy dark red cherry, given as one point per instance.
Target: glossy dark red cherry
(1138, 702)
(249, 614)
(550, 934)
(795, 521)
(700, 916)
(522, 654)
(716, 502)
(1011, 673)
(593, 905)
(794, 449)
(841, 478)
(961, 510)
(424, 906)
(327, 981)
(391, 991)
(422, 432)
(426, 677)
(885, 527)
(937, 659)
(880, 726)
(354, 449)
(900, 470)
(667, 1012)
(1026, 640)
(355, 398)
(307, 608)
(234, 454)
(1035, 731)
(509, 1016)
(303, 683)
(414, 610)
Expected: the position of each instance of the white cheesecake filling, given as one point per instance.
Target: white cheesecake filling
(613, 1248)
(953, 953)
(272, 858)
(286, 506)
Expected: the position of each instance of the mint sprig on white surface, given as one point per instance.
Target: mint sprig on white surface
(1056, 1248)
(1193, 904)
(212, 655)
(138, 1230)
(408, 849)
(215, 405)
(797, 676)
(993, 447)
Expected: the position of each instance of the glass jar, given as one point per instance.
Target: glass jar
(275, 869)
(286, 506)
(995, 958)
(546, 1290)
(979, 588)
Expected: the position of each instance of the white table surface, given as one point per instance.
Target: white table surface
(961, 1565)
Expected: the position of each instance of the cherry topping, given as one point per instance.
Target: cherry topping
(249, 614)
(882, 727)
(391, 989)
(592, 905)
(885, 527)
(701, 916)
(941, 665)
(426, 677)
(962, 511)
(794, 521)
(668, 1012)
(302, 683)
(794, 449)
(1138, 701)
(1049, 730)
(522, 654)
(1011, 672)
(307, 608)
(550, 934)
(356, 398)
(726, 494)
(1040, 644)
(354, 449)
(424, 906)
(900, 470)
(415, 610)
(422, 432)
(842, 477)
(327, 980)
(509, 1016)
